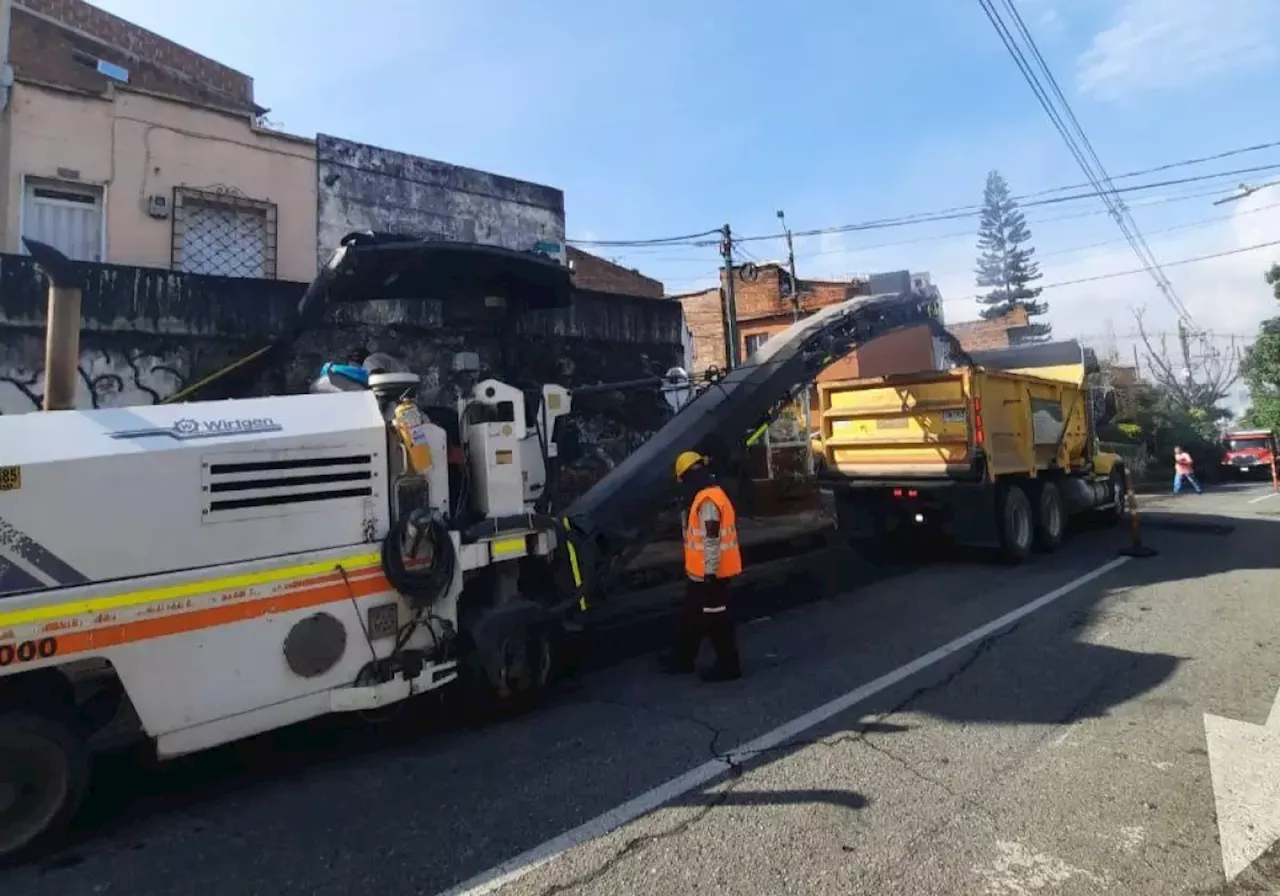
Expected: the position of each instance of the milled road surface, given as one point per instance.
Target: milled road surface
(1060, 752)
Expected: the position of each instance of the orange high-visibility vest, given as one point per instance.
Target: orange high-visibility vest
(695, 555)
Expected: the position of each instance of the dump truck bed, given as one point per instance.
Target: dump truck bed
(970, 423)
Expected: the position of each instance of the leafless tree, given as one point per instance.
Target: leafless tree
(1192, 369)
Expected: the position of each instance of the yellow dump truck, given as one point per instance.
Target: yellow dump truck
(999, 452)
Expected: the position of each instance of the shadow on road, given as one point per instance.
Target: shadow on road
(1054, 679)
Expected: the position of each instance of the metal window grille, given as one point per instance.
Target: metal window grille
(754, 342)
(220, 231)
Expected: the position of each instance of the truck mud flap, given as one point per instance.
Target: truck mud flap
(974, 519)
(968, 512)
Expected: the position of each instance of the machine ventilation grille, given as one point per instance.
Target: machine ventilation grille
(236, 486)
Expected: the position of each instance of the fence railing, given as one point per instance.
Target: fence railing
(1136, 457)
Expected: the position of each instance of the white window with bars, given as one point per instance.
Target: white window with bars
(222, 232)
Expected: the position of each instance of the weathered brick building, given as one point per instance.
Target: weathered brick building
(595, 273)
(59, 42)
(985, 335)
(764, 304)
(765, 307)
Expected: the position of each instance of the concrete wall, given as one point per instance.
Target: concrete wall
(134, 146)
(362, 187)
(148, 332)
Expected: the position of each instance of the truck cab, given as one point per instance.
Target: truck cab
(1248, 453)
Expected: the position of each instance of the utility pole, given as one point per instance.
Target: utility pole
(1184, 341)
(795, 316)
(733, 355)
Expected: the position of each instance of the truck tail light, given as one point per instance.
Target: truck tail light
(979, 433)
(897, 493)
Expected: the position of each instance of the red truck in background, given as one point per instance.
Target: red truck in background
(1249, 452)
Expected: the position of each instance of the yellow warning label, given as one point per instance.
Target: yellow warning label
(10, 479)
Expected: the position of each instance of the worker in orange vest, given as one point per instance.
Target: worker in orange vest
(712, 559)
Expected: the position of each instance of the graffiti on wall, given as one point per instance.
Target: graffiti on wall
(108, 379)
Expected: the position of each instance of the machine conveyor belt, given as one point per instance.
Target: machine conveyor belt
(614, 516)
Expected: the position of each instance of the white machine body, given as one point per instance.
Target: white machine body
(539, 446)
(223, 559)
(493, 427)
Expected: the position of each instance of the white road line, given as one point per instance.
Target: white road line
(516, 868)
(1263, 497)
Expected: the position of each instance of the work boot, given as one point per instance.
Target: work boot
(720, 673)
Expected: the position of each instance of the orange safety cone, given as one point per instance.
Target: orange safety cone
(1275, 480)
(1136, 548)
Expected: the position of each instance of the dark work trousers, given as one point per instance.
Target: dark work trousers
(695, 624)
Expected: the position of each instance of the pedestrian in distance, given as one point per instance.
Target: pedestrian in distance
(1184, 470)
(712, 560)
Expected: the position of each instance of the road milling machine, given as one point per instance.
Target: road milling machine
(201, 571)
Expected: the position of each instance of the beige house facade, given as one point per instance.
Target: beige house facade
(119, 146)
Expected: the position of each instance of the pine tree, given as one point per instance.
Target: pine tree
(1005, 263)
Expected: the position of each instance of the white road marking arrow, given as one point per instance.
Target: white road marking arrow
(1244, 766)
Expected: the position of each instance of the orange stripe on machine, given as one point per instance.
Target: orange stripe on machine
(85, 634)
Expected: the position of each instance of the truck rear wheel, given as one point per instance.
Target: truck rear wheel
(44, 772)
(1051, 517)
(1017, 524)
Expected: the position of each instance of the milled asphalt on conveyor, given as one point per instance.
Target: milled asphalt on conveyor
(422, 811)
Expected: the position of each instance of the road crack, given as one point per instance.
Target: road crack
(735, 759)
(642, 842)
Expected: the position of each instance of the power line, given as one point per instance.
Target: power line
(1143, 249)
(1114, 274)
(1028, 200)
(658, 241)
(1257, 147)
(1108, 193)
(974, 210)
(957, 234)
(1192, 225)
(1169, 264)
(1181, 227)
(641, 253)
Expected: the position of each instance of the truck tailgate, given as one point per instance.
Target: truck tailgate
(913, 426)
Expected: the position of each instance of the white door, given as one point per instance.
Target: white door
(66, 216)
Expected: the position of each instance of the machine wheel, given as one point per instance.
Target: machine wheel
(1051, 517)
(44, 772)
(1113, 515)
(524, 666)
(1017, 524)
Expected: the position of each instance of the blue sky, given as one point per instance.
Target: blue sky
(665, 118)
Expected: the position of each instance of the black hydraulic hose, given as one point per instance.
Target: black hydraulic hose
(424, 586)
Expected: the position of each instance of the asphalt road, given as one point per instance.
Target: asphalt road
(955, 728)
